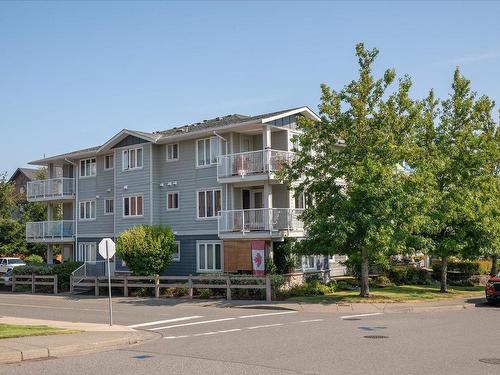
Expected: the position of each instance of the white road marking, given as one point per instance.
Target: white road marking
(268, 314)
(205, 334)
(266, 326)
(165, 321)
(192, 324)
(230, 330)
(310, 321)
(359, 315)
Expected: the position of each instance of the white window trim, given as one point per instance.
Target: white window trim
(309, 269)
(128, 156)
(109, 213)
(86, 243)
(198, 270)
(95, 209)
(123, 206)
(80, 168)
(178, 201)
(216, 216)
(113, 167)
(178, 258)
(196, 148)
(166, 152)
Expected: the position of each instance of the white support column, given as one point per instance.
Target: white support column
(266, 137)
(268, 195)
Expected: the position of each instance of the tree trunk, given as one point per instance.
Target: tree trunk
(494, 269)
(365, 265)
(444, 274)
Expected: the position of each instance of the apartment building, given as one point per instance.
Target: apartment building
(213, 182)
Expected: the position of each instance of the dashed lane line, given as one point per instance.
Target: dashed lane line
(191, 324)
(267, 326)
(221, 320)
(239, 329)
(360, 315)
(165, 321)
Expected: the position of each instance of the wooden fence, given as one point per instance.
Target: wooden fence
(162, 282)
(34, 281)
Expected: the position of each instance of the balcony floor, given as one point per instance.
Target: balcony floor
(51, 240)
(261, 234)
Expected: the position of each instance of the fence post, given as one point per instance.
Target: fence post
(190, 287)
(125, 286)
(13, 283)
(96, 286)
(228, 288)
(268, 288)
(157, 286)
(55, 284)
(32, 284)
(71, 283)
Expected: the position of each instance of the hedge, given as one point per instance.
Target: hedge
(63, 271)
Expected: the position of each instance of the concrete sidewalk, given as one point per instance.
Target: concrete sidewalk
(93, 338)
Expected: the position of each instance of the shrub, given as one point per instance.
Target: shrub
(146, 249)
(348, 284)
(34, 259)
(63, 272)
(310, 288)
(383, 281)
(401, 275)
(37, 269)
(465, 268)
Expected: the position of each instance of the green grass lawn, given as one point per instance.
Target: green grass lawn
(405, 293)
(8, 331)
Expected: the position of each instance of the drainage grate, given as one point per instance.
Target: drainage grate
(490, 361)
(376, 337)
(352, 319)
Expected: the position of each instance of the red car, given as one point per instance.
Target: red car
(493, 289)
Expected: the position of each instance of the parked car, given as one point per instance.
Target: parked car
(493, 289)
(9, 263)
(6, 278)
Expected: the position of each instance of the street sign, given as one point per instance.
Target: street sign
(107, 248)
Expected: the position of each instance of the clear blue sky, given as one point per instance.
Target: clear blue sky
(72, 74)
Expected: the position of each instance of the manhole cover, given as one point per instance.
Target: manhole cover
(490, 361)
(376, 337)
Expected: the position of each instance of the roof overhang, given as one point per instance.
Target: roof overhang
(302, 110)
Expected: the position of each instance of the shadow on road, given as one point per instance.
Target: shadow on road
(480, 302)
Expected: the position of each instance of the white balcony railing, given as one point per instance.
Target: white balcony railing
(252, 163)
(261, 219)
(47, 231)
(54, 188)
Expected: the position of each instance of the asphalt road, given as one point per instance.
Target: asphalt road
(195, 339)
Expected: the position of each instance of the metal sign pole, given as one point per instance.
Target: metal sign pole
(109, 288)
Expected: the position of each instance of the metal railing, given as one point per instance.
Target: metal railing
(261, 219)
(50, 230)
(252, 163)
(54, 188)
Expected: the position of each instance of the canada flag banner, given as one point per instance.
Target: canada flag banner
(258, 255)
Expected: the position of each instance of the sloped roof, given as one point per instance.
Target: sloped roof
(68, 155)
(30, 173)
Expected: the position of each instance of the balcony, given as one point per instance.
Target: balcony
(261, 222)
(252, 165)
(53, 189)
(50, 231)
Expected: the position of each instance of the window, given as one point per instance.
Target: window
(109, 206)
(109, 162)
(207, 151)
(309, 262)
(209, 203)
(176, 257)
(132, 159)
(173, 200)
(300, 200)
(173, 152)
(87, 168)
(87, 210)
(132, 206)
(86, 252)
(209, 256)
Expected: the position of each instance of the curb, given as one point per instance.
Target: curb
(9, 355)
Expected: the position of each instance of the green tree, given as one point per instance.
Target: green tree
(12, 239)
(458, 163)
(146, 249)
(359, 200)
